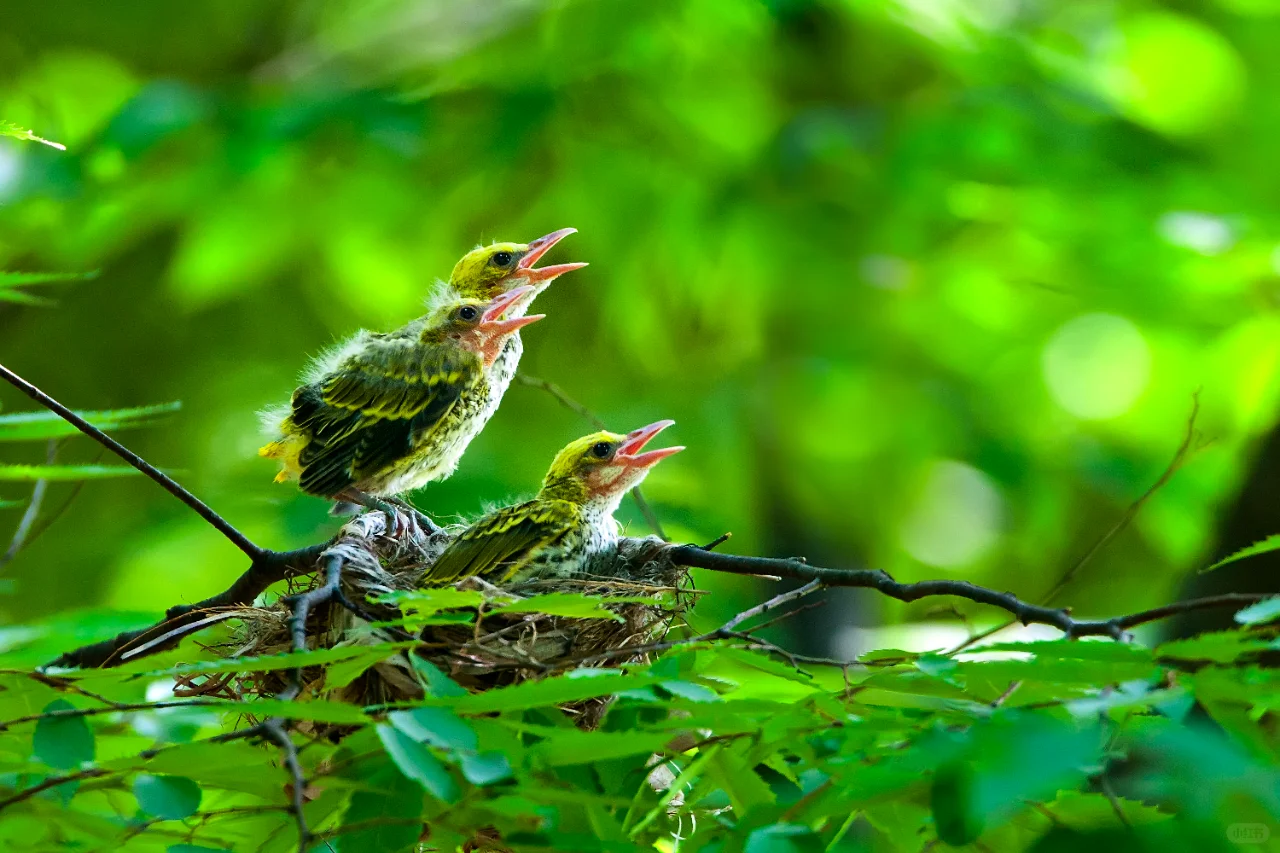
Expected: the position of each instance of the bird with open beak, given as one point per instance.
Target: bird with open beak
(387, 413)
(567, 526)
(488, 271)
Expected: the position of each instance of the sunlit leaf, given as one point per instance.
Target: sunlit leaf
(485, 768)
(571, 604)
(1264, 611)
(1265, 546)
(58, 473)
(8, 128)
(439, 727)
(27, 426)
(416, 762)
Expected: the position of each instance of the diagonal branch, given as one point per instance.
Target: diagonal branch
(1180, 457)
(202, 509)
(32, 512)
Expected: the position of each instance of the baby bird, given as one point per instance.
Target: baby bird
(488, 271)
(387, 413)
(568, 524)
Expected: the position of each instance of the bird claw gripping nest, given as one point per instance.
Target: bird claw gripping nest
(494, 649)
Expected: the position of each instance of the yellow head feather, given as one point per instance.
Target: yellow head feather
(485, 271)
(567, 478)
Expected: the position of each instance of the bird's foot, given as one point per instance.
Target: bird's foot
(419, 519)
(402, 517)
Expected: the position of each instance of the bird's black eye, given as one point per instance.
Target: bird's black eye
(601, 449)
(503, 259)
(467, 312)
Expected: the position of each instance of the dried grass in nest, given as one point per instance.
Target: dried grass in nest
(495, 650)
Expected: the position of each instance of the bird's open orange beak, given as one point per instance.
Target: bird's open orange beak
(491, 322)
(629, 454)
(537, 249)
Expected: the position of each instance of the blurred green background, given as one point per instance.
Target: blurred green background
(928, 285)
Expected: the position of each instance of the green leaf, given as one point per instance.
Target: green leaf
(570, 604)
(783, 838)
(1266, 546)
(689, 690)
(60, 473)
(426, 602)
(192, 848)
(63, 742)
(572, 686)
(8, 128)
(1216, 647)
(263, 663)
(573, 746)
(167, 797)
(11, 504)
(436, 683)
(27, 426)
(485, 768)
(389, 816)
(417, 763)
(1082, 811)
(20, 297)
(1267, 610)
(437, 726)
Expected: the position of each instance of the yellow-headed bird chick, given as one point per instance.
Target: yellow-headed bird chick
(570, 522)
(387, 413)
(489, 271)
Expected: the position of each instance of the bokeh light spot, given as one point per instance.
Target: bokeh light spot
(1199, 232)
(1096, 366)
(956, 518)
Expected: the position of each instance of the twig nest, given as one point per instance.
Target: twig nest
(499, 638)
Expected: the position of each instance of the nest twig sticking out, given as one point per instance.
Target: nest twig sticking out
(494, 649)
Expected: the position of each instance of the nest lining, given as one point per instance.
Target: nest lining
(493, 650)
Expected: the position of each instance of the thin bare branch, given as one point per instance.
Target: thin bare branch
(33, 510)
(166, 482)
(1180, 457)
(650, 517)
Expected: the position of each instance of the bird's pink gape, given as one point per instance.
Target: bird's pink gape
(628, 453)
(525, 268)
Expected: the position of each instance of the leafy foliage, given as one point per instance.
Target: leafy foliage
(766, 758)
(928, 285)
(1266, 546)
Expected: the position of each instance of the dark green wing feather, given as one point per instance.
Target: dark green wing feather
(501, 543)
(364, 416)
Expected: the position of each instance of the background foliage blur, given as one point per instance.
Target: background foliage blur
(927, 285)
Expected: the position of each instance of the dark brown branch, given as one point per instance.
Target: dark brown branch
(53, 782)
(268, 568)
(252, 551)
(1028, 614)
(276, 731)
(650, 517)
